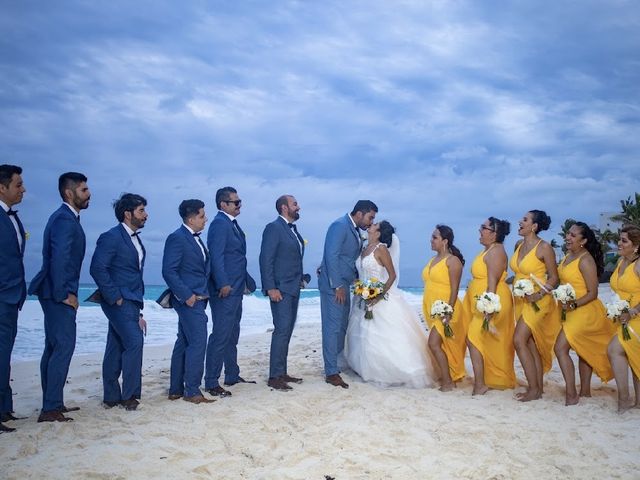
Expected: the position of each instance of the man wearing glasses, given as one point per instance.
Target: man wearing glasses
(229, 280)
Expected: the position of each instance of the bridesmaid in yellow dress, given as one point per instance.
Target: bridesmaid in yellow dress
(625, 281)
(491, 351)
(587, 330)
(441, 279)
(536, 329)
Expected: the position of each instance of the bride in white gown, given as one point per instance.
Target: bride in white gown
(390, 349)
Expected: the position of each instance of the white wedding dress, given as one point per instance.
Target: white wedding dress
(390, 349)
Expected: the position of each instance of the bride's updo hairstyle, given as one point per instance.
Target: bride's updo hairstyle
(501, 227)
(386, 232)
(447, 234)
(541, 218)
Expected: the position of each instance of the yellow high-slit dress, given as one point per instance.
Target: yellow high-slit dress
(544, 323)
(496, 348)
(437, 287)
(627, 286)
(587, 328)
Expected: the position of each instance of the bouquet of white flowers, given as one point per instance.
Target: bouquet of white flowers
(443, 311)
(488, 303)
(522, 288)
(565, 293)
(368, 290)
(615, 308)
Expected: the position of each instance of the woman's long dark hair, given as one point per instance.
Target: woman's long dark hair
(386, 232)
(447, 234)
(592, 246)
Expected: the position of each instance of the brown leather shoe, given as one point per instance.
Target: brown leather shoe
(336, 381)
(197, 399)
(218, 392)
(66, 409)
(5, 429)
(289, 379)
(130, 404)
(174, 396)
(53, 416)
(278, 383)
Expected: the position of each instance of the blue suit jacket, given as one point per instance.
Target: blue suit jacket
(342, 245)
(184, 268)
(115, 267)
(63, 249)
(13, 289)
(280, 258)
(228, 250)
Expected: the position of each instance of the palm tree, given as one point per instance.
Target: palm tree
(563, 232)
(630, 211)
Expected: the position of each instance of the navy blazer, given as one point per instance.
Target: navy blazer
(281, 258)
(184, 268)
(13, 289)
(228, 250)
(63, 249)
(115, 267)
(342, 245)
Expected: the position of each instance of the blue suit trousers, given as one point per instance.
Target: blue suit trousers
(123, 352)
(222, 347)
(284, 315)
(8, 331)
(335, 318)
(187, 359)
(59, 345)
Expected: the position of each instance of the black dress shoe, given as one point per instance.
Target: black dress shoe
(240, 380)
(110, 404)
(5, 429)
(53, 416)
(66, 409)
(218, 391)
(130, 404)
(8, 416)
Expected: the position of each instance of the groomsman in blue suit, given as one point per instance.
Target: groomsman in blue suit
(186, 269)
(342, 245)
(13, 289)
(229, 280)
(116, 267)
(56, 286)
(281, 274)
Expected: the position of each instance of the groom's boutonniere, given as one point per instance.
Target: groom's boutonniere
(27, 235)
(306, 242)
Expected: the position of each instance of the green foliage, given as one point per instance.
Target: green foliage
(630, 211)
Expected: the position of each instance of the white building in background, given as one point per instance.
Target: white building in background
(606, 223)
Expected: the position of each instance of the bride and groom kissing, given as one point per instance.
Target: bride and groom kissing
(390, 349)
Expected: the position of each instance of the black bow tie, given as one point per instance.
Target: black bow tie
(135, 234)
(197, 234)
(292, 225)
(12, 212)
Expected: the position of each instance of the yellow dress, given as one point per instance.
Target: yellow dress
(627, 286)
(496, 348)
(545, 323)
(437, 287)
(587, 328)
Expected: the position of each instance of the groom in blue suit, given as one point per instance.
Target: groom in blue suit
(342, 246)
(185, 268)
(13, 289)
(56, 286)
(229, 280)
(116, 267)
(281, 273)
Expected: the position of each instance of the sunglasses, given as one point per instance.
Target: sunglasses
(235, 202)
(484, 227)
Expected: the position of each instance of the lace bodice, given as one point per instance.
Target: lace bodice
(369, 267)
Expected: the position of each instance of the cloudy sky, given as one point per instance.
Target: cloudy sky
(439, 111)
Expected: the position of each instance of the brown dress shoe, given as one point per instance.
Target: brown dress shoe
(218, 392)
(5, 429)
(197, 399)
(278, 383)
(53, 416)
(174, 396)
(130, 404)
(66, 409)
(289, 379)
(336, 381)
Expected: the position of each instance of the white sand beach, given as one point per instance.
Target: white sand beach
(315, 431)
